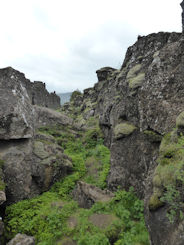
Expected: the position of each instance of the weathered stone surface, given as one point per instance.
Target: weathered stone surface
(40, 96)
(104, 73)
(86, 195)
(32, 166)
(16, 112)
(21, 239)
(47, 117)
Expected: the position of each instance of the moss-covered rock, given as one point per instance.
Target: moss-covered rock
(169, 174)
(123, 130)
(152, 136)
(135, 77)
(155, 202)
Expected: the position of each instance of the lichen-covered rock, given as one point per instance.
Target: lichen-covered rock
(21, 239)
(135, 77)
(123, 129)
(86, 195)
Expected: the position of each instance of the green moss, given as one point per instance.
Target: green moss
(152, 136)
(134, 70)
(135, 78)
(180, 120)
(123, 129)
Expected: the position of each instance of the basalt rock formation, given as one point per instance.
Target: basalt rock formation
(140, 110)
(29, 163)
(138, 106)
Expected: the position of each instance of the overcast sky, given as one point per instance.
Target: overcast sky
(63, 42)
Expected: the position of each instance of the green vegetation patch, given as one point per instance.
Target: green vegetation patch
(75, 94)
(48, 216)
(168, 181)
(123, 129)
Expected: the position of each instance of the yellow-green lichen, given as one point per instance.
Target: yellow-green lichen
(123, 129)
(135, 77)
(137, 81)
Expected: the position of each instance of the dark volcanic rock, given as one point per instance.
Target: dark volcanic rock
(137, 105)
(31, 163)
(32, 166)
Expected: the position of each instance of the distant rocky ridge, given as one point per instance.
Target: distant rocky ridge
(36, 90)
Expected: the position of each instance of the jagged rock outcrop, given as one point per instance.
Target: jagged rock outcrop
(137, 106)
(30, 162)
(36, 91)
(21, 239)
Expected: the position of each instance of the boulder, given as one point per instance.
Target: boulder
(21, 239)
(47, 117)
(31, 166)
(86, 195)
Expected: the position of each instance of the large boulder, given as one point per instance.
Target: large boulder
(31, 166)
(48, 117)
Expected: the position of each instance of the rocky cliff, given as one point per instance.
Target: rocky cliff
(29, 164)
(140, 109)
